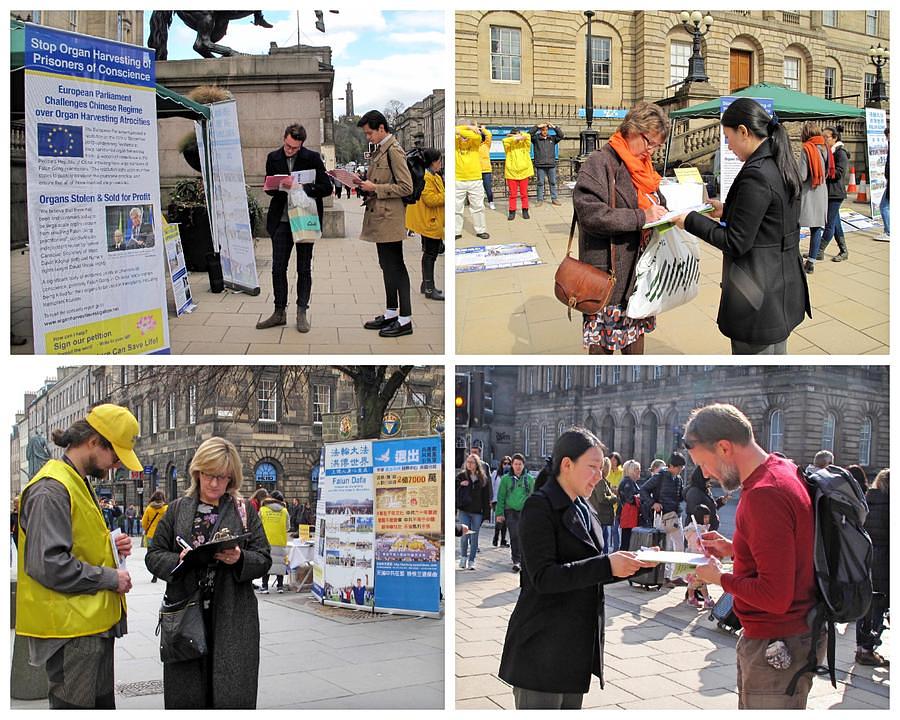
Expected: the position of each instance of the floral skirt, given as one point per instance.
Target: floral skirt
(613, 330)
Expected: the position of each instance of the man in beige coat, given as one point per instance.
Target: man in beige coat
(384, 223)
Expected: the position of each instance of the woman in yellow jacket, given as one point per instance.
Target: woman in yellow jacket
(518, 168)
(426, 217)
(152, 515)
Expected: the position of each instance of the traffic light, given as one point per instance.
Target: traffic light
(463, 387)
(476, 398)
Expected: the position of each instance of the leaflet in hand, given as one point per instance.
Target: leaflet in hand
(670, 216)
(345, 177)
(667, 556)
(273, 182)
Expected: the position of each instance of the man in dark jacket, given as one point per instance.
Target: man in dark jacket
(544, 147)
(292, 157)
(663, 493)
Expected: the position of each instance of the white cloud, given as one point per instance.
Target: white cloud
(436, 40)
(407, 78)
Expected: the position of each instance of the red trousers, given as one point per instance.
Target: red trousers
(517, 187)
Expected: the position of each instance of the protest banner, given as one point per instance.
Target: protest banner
(495, 257)
(94, 221)
(729, 163)
(181, 287)
(349, 534)
(226, 196)
(877, 149)
(408, 525)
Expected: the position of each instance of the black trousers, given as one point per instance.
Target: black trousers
(282, 244)
(81, 674)
(431, 248)
(396, 277)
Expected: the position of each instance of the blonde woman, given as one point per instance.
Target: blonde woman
(227, 676)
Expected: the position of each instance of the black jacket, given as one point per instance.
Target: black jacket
(878, 525)
(305, 159)
(697, 494)
(837, 189)
(545, 147)
(554, 642)
(664, 488)
(480, 496)
(764, 290)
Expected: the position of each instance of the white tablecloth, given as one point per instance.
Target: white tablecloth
(300, 553)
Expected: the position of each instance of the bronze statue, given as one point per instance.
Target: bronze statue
(211, 26)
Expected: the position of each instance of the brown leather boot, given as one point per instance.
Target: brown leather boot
(279, 317)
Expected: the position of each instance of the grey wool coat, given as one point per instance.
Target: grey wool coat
(813, 202)
(385, 217)
(235, 618)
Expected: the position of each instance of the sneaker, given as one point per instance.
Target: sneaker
(884, 237)
(472, 565)
(492, 206)
(809, 266)
(516, 568)
(871, 658)
(279, 590)
(504, 544)
(463, 564)
(263, 590)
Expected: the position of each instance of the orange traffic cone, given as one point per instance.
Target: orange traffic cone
(862, 195)
(851, 188)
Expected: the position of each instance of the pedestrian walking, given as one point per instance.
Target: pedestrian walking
(517, 169)
(473, 504)
(837, 193)
(131, 520)
(499, 526)
(227, 676)
(275, 520)
(70, 596)
(616, 194)
(555, 638)
(816, 162)
(384, 223)
(153, 513)
(514, 489)
(629, 501)
(469, 182)
(292, 157)
(663, 493)
(764, 289)
(426, 217)
(545, 158)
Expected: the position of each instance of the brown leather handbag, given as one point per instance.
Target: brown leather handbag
(580, 285)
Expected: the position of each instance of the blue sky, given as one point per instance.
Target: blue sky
(400, 55)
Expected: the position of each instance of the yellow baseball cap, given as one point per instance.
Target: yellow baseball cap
(120, 428)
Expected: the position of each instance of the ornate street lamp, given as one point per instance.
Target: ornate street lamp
(696, 65)
(589, 136)
(879, 57)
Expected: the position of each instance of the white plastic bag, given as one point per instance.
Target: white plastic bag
(657, 521)
(303, 216)
(667, 274)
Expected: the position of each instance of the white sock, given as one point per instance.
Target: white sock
(389, 313)
(404, 319)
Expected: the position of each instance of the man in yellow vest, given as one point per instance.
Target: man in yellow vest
(70, 600)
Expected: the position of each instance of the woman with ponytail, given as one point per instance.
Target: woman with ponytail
(616, 194)
(816, 164)
(837, 193)
(554, 642)
(764, 290)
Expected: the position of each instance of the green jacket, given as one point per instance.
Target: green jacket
(513, 492)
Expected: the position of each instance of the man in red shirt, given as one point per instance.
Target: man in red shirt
(773, 578)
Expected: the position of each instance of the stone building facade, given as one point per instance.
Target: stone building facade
(640, 410)
(277, 417)
(422, 124)
(518, 67)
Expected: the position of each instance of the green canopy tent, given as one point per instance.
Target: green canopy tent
(168, 102)
(789, 105)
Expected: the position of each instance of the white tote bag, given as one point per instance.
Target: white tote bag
(667, 274)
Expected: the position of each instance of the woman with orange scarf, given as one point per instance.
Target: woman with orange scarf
(616, 194)
(815, 164)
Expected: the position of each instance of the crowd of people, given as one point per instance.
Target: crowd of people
(550, 651)
(73, 579)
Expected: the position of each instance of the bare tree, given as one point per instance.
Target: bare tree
(392, 111)
(375, 389)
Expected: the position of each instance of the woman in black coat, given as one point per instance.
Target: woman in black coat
(698, 493)
(554, 641)
(227, 676)
(764, 290)
(837, 193)
(878, 525)
(473, 504)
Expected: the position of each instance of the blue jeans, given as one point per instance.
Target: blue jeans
(468, 544)
(615, 534)
(885, 208)
(833, 226)
(546, 173)
(815, 239)
(607, 538)
(487, 179)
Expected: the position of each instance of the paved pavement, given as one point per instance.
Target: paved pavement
(347, 290)
(311, 656)
(660, 652)
(513, 311)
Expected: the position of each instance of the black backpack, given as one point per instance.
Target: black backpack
(415, 161)
(843, 559)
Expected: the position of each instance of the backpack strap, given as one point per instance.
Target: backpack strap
(812, 661)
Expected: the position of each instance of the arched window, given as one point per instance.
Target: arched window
(776, 431)
(266, 475)
(650, 432)
(608, 433)
(526, 441)
(549, 378)
(561, 427)
(828, 431)
(865, 442)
